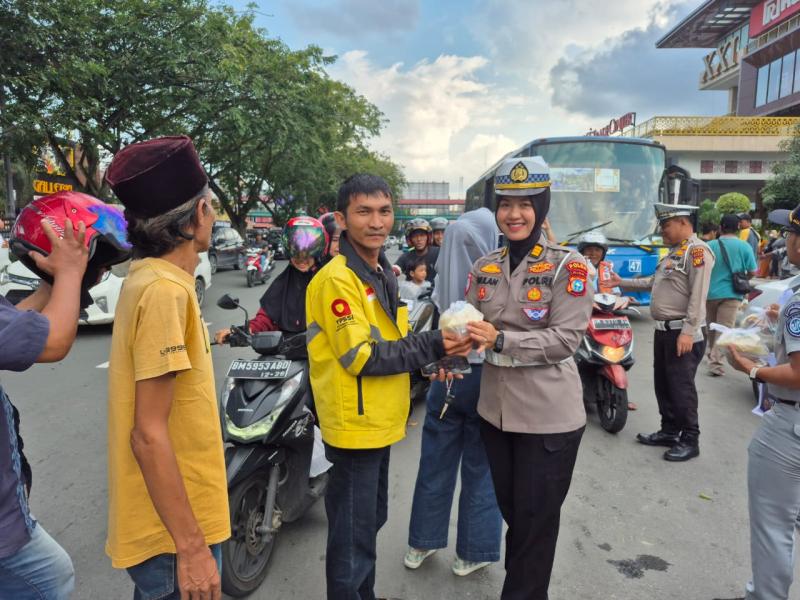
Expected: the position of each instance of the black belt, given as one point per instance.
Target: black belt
(789, 402)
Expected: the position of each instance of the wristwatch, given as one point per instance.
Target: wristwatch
(498, 343)
(754, 374)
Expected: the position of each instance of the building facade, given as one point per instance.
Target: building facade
(752, 55)
(427, 199)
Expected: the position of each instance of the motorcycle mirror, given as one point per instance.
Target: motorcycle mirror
(228, 302)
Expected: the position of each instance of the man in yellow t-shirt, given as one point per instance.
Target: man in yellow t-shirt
(168, 500)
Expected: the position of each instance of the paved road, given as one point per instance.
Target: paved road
(633, 527)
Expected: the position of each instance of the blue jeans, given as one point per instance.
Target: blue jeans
(157, 577)
(445, 443)
(40, 570)
(356, 503)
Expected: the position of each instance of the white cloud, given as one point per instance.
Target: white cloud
(428, 105)
(452, 116)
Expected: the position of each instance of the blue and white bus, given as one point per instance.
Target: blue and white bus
(605, 184)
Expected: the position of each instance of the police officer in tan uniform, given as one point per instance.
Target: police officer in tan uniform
(678, 305)
(536, 304)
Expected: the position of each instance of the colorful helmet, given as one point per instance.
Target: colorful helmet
(593, 238)
(328, 221)
(418, 225)
(106, 231)
(305, 237)
(439, 224)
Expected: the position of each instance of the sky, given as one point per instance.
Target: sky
(462, 82)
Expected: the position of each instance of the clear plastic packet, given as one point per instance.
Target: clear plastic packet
(760, 319)
(746, 341)
(456, 317)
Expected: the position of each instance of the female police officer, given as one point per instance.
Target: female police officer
(773, 465)
(536, 306)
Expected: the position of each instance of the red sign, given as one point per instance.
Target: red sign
(770, 13)
(618, 125)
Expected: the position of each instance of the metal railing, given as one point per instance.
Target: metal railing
(733, 126)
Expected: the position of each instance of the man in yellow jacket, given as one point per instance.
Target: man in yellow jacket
(360, 357)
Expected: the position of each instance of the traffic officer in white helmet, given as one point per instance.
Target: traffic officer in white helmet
(536, 304)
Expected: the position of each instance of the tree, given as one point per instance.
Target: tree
(783, 190)
(708, 213)
(733, 203)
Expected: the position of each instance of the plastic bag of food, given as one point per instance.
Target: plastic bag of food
(746, 341)
(456, 317)
(762, 321)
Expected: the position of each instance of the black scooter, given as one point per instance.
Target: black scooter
(268, 431)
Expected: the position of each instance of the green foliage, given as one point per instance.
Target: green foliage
(271, 127)
(733, 203)
(783, 190)
(708, 213)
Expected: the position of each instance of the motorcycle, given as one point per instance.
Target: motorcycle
(274, 457)
(604, 358)
(421, 315)
(255, 272)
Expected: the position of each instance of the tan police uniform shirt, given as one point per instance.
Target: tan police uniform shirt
(543, 311)
(680, 286)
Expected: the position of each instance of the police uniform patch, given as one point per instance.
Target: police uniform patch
(492, 269)
(534, 294)
(578, 272)
(340, 308)
(537, 251)
(535, 314)
(792, 316)
(542, 267)
(698, 257)
(481, 293)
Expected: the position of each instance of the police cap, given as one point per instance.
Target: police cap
(525, 176)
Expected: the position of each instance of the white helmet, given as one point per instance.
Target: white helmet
(593, 238)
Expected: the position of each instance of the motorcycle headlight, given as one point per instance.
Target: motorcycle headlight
(260, 428)
(613, 355)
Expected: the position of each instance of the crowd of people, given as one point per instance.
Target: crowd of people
(515, 422)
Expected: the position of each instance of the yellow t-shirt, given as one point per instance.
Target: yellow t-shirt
(158, 330)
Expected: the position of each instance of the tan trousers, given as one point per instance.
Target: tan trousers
(724, 313)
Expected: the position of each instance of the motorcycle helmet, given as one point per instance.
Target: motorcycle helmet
(415, 225)
(593, 238)
(305, 237)
(332, 229)
(439, 224)
(106, 233)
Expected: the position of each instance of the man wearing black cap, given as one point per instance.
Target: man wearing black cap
(773, 471)
(732, 256)
(168, 509)
(678, 305)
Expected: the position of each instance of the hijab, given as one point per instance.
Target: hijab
(472, 235)
(518, 250)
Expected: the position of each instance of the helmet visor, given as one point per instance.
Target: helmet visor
(306, 241)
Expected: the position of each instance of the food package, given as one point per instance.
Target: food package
(759, 319)
(746, 341)
(456, 317)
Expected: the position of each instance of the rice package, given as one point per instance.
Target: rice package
(456, 317)
(746, 341)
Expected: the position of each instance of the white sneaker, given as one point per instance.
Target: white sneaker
(414, 558)
(463, 567)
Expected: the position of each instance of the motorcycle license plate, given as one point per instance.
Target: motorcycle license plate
(259, 369)
(611, 324)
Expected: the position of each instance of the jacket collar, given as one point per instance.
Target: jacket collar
(368, 275)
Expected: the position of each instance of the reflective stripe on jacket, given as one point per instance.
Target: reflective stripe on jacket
(360, 357)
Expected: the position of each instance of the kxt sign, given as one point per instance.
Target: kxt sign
(721, 60)
(616, 125)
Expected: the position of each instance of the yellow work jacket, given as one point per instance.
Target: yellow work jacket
(345, 318)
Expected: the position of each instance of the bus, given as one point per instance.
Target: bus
(605, 184)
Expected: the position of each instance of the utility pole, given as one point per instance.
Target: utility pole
(11, 205)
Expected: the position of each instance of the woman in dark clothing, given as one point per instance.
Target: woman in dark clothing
(283, 305)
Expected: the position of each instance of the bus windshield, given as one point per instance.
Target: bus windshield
(596, 182)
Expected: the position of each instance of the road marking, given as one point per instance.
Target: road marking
(102, 365)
